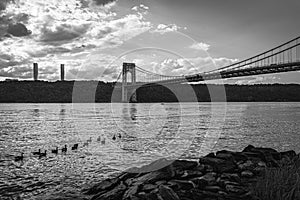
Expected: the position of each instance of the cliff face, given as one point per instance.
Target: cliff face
(62, 92)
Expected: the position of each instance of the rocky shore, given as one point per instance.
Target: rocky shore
(224, 175)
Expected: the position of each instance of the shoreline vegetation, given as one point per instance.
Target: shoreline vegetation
(252, 174)
(101, 92)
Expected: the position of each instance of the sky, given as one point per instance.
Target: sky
(170, 37)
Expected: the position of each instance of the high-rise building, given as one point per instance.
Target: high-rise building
(35, 71)
(62, 72)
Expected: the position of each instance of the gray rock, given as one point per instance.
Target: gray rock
(249, 165)
(203, 181)
(237, 189)
(167, 193)
(247, 174)
(114, 194)
(131, 192)
(191, 174)
(149, 187)
(182, 184)
(102, 186)
(151, 177)
(213, 188)
(219, 165)
(231, 177)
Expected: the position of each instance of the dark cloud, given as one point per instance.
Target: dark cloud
(3, 4)
(12, 24)
(63, 33)
(103, 2)
(18, 30)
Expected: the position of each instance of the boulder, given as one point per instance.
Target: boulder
(102, 186)
(131, 192)
(225, 155)
(182, 184)
(148, 196)
(290, 154)
(151, 177)
(213, 188)
(231, 177)
(184, 164)
(249, 148)
(249, 165)
(237, 189)
(167, 193)
(219, 165)
(149, 187)
(247, 174)
(203, 181)
(113, 194)
(191, 174)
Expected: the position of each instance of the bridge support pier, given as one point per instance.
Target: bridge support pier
(128, 68)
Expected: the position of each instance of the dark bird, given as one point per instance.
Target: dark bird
(103, 141)
(55, 151)
(75, 146)
(64, 149)
(120, 136)
(43, 154)
(89, 140)
(37, 152)
(19, 158)
(85, 144)
(114, 138)
(98, 139)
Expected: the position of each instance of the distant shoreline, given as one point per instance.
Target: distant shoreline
(101, 92)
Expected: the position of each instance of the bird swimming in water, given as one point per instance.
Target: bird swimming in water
(64, 149)
(120, 136)
(89, 140)
(99, 139)
(37, 152)
(85, 144)
(114, 137)
(43, 154)
(19, 158)
(103, 141)
(55, 151)
(75, 146)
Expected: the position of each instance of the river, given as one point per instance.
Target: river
(122, 136)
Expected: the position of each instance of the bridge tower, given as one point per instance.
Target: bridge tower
(128, 68)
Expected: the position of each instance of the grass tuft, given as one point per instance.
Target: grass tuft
(279, 183)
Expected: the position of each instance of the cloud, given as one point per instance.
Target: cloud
(22, 71)
(3, 4)
(103, 2)
(141, 7)
(188, 66)
(200, 46)
(18, 30)
(163, 28)
(62, 32)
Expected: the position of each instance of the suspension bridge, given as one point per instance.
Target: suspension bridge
(283, 58)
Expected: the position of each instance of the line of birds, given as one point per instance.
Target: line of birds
(64, 149)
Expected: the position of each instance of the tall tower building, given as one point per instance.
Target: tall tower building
(62, 72)
(35, 71)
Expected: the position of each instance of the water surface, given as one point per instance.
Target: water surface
(147, 132)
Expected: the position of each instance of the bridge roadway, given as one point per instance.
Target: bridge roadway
(249, 71)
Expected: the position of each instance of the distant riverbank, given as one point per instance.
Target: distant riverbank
(100, 92)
